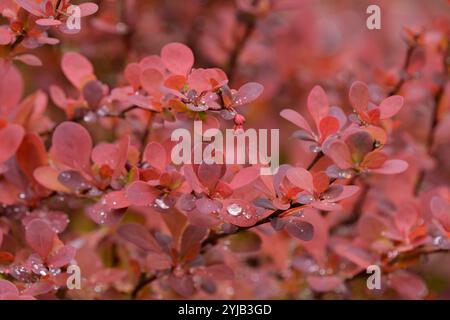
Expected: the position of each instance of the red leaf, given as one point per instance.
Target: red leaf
(40, 236)
(88, 8)
(301, 178)
(239, 212)
(244, 177)
(8, 289)
(155, 155)
(390, 106)
(11, 88)
(140, 193)
(392, 167)
(191, 242)
(300, 229)
(77, 69)
(62, 257)
(324, 283)
(151, 81)
(318, 104)
(359, 96)
(327, 126)
(441, 211)
(248, 93)
(297, 119)
(178, 58)
(139, 236)
(10, 139)
(72, 146)
(408, 285)
(29, 59)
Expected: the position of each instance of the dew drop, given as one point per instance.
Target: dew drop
(99, 288)
(234, 210)
(305, 199)
(159, 202)
(90, 117)
(392, 254)
(438, 240)
(315, 149)
(22, 196)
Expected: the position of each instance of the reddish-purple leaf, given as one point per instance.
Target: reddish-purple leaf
(359, 96)
(29, 59)
(324, 283)
(93, 93)
(139, 236)
(390, 106)
(328, 126)
(88, 8)
(297, 119)
(301, 178)
(248, 93)
(441, 211)
(8, 289)
(347, 192)
(140, 193)
(10, 138)
(40, 236)
(155, 155)
(183, 285)
(178, 58)
(209, 174)
(48, 22)
(191, 241)
(31, 6)
(408, 285)
(405, 218)
(77, 69)
(318, 104)
(72, 145)
(392, 167)
(151, 80)
(239, 212)
(132, 74)
(63, 256)
(244, 177)
(11, 87)
(300, 229)
(339, 153)
(117, 200)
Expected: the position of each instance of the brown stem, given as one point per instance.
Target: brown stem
(435, 116)
(142, 282)
(315, 160)
(403, 73)
(250, 24)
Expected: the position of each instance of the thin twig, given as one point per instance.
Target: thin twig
(249, 27)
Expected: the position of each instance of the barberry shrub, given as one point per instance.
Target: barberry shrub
(86, 171)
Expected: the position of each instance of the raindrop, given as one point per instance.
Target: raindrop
(22, 196)
(90, 117)
(392, 254)
(315, 149)
(344, 174)
(103, 111)
(99, 288)
(234, 210)
(227, 114)
(159, 202)
(438, 240)
(305, 198)
(103, 216)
